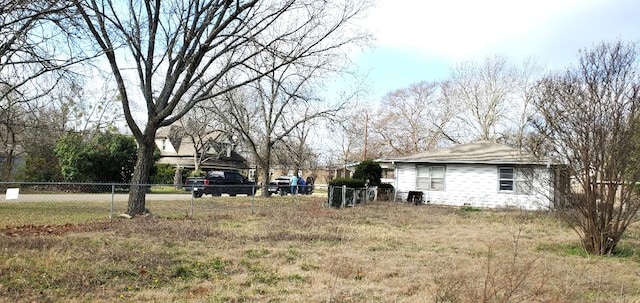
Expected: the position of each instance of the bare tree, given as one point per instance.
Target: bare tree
(86, 109)
(295, 150)
(33, 46)
(348, 136)
(521, 134)
(180, 51)
(589, 116)
(34, 59)
(14, 120)
(267, 112)
(484, 92)
(413, 119)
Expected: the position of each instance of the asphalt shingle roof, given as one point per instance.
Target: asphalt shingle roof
(481, 152)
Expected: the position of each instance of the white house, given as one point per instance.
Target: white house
(480, 174)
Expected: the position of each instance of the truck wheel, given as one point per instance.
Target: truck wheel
(281, 192)
(197, 195)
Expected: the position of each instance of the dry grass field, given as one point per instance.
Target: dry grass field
(283, 250)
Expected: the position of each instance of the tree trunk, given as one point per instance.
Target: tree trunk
(266, 178)
(140, 178)
(177, 177)
(196, 162)
(7, 166)
(600, 244)
(265, 165)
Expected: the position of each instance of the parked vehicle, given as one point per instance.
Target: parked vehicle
(282, 186)
(217, 183)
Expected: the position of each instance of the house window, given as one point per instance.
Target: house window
(430, 177)
(506, 178)
(512, 180)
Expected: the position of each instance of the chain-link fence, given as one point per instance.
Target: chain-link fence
(343, 196)
(96, 201)
(63, 202)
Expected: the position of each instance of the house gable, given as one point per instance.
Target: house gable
(178, 150)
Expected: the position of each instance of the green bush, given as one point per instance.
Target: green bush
(104, 157)
(352, 183)
(385, 186)
(198, 173)
(163, 174)
(369, 171)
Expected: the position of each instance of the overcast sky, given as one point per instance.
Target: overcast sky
(419, 40)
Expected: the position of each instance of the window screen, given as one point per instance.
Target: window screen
(430, 177)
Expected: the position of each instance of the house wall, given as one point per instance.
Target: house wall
(477, 185)
(165, 146)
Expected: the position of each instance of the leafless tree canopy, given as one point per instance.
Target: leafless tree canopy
(272, 115)
(33, 47)
(296, 151)
(35, 62)
(171, 55)
(413, 119)
(484, 100)
(483, 90)
(589, 116)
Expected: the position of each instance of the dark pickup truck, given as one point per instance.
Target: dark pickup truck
(282, 186)
(217, 183)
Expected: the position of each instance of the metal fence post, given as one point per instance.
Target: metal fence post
(113, 196)
(253, 199)
(192, 187)
(191, 210)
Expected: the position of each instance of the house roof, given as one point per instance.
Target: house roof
(218, 164)
(181, 142)
(215, 154)
(481, 152)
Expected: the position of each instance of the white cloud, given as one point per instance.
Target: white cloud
(461, 29)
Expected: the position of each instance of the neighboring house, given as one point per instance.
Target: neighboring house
(179, 151)
(480, 174)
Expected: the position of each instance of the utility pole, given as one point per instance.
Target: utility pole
(366, 135)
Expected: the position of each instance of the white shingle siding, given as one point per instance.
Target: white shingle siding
(406, 176)
(477, 185)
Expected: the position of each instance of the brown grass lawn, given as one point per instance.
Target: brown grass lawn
(281, 250)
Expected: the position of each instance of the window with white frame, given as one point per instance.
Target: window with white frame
(523, 181)
(430, 177)
(506, 177)
(514, 180)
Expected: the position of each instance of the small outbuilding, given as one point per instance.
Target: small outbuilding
(481, 174)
